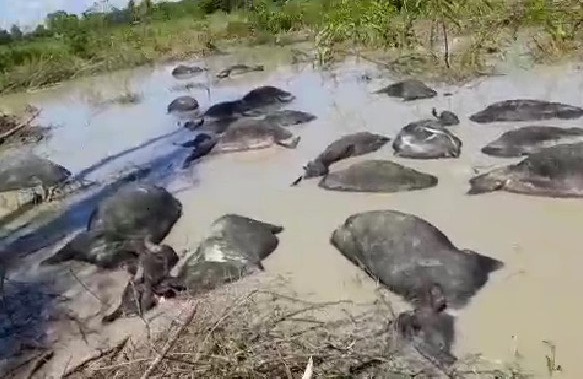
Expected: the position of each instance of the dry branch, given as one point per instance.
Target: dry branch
(236, 332)
(114, 351)
(169, 344)
(19, 126)
(39, 363)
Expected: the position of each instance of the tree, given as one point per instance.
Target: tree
(5, 37)
(15, 33)
(63, 23)
(132, 10)
(41, 31)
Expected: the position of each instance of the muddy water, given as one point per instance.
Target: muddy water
(534, 298)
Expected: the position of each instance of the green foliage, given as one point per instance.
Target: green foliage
(145, 31)
(367, 22)
(290, 15)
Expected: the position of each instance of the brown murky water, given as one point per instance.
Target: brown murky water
(534, 298)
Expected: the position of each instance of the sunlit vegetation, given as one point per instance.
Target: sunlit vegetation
(106, 38)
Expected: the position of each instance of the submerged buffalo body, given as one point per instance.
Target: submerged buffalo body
(555, 171)
(350, 145)
(151, 278)
(235, 247)
(286, 118)
(183, 104)
(426, 139)
(239, 69)
(531, 139)
(128, 217)
(257, 102)
(526, 110)
(408, 90)
(244, 135)
(187, 72)
(446, 118)
(253, 134)
(225, 109)
(406, 253)
(428, 327)
(27, 179)
(20, 171)
(265, 99)
(377, 176)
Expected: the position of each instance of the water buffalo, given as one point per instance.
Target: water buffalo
(239, 69)
(259, 101)
(235, 247)
(531, 139)
(408, 90)
(218, 125)
(187, 72)
(183, 104)
(26, 170)
(265, 99)
(377, 176)
(405, 252)
(429, 328)
(446, 118)
(347, 146)
(224, 109)
(288, 117)
(426, 139)
(244, 135)
(555, 171)
(526, 110)
(151, 279)
(131, 214)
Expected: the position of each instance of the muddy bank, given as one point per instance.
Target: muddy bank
(536, 238)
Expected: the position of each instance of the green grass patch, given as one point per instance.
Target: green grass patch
(414, 36)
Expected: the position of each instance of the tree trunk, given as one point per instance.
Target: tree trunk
(445, 44)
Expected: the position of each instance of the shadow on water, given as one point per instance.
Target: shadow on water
(25, 311)
(159, 171)
(83, 174)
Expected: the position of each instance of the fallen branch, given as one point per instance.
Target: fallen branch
(39, 363)
(22, 364)
(20, 126)
(170, 343)
(86, 288)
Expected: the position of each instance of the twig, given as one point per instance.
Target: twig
(170, 343)
(226, 314)
(39, 363)
(87, 288)
(311, 308)
(286, 297)
(123, 364)
(114, 351)
(20, 365)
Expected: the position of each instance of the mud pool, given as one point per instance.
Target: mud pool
(533, 298)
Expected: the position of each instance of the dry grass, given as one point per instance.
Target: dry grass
(257, 332)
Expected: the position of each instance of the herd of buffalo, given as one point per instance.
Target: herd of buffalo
(407, 254)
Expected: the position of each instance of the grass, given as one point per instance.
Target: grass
(447, 38)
